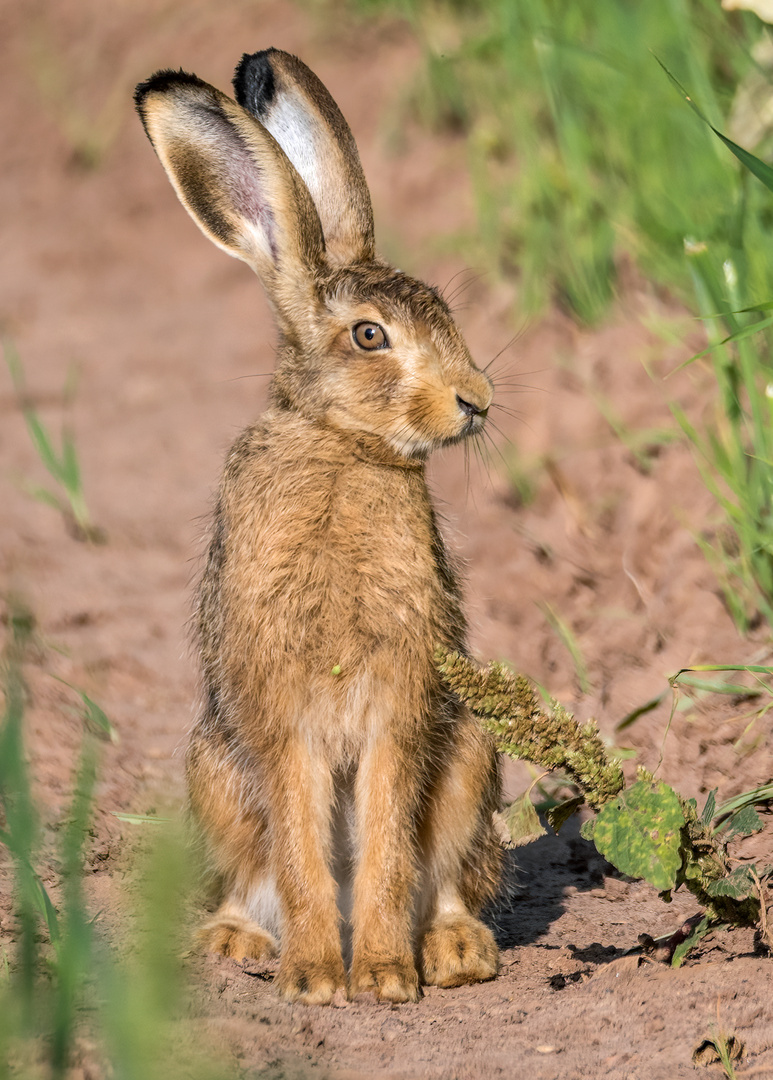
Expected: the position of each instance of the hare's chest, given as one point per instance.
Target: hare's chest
(384, 542)
(334, 558)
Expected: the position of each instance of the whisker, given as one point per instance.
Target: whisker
(515, 413)
(467, 484)
(516, 382)
(478, 449)
(490, 441)
(517, 337)
(504, 348)
(490, 423)
(256, 375)
(472, 277)
(534, 371)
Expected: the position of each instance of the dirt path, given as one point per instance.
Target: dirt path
(101, 269)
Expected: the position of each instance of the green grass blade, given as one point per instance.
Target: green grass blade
(762, 794)
(43, 495)
(74, 954)
(641, 710)
(70, 467)
(732, 689)
(94, 717)
(739, 335)
(141, 819)
(42, 443)
(21, 832)
(564, 632)
(762, 171)
(756, 669)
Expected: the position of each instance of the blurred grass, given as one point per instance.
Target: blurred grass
(73, 992)
(735, 448)
(585, 154)
(579, 149)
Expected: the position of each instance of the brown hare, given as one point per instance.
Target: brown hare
(332, 774)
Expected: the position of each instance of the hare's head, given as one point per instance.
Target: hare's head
(274, 178)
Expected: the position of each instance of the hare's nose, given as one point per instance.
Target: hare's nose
(469, 409)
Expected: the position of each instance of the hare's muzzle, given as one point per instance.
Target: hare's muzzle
(470, 409)
(473, 400)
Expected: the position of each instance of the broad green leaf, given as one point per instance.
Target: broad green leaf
(587, 829)
(739, 885)
(743, 823)
(558, 815)
(522, 821)
(707, 815)
(639, 833)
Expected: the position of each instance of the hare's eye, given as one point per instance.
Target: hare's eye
(369, 335)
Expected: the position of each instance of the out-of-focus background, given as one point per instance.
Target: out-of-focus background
(535, 161)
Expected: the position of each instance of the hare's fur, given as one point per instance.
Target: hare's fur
(330, 769)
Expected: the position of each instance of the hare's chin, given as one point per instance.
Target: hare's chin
(413, 448)
(422, 446)
(472, 426)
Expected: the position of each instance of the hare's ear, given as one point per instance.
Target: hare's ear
(233, 178)
(290, 101)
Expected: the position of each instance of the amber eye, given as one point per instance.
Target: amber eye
(369, 335)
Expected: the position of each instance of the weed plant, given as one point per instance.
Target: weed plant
(72, 994)
(62, 464)
(647, 829)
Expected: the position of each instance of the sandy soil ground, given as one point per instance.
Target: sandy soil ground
(101, 270)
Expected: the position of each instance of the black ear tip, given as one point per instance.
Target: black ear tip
(254, 83)
(162, 81)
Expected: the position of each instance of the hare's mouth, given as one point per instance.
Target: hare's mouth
(475, 416)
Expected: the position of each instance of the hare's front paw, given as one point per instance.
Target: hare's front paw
(390, 978)
(458, 950)
(312, 982)
(238, 938)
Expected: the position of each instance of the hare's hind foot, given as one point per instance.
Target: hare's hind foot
(458, 949)
(389, 978)
(233, 935)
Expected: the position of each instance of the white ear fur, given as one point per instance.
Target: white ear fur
(291, 102)
(232, 177)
